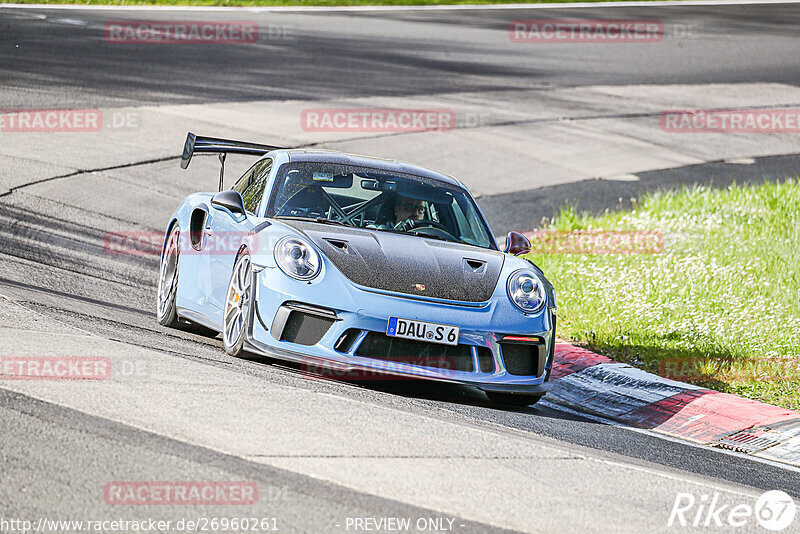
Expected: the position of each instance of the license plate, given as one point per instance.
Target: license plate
(422, 331)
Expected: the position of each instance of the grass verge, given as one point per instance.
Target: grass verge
(717, 305)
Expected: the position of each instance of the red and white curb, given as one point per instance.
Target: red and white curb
(592, 383)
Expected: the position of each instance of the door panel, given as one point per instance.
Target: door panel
(225, 234)
(227, 231)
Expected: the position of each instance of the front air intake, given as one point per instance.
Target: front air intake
(380, 346)
(346, 340)
(523, 356)
(301, 323)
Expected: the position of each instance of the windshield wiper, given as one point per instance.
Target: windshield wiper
(320, 220)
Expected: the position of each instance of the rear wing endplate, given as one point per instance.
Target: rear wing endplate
(197, 144)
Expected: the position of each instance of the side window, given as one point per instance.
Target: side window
(469, 222)
(251, 184)
(252, 195)
(247, 178)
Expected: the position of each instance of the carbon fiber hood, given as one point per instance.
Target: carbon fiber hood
(407, 264)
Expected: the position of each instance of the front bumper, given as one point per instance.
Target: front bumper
(358, 312)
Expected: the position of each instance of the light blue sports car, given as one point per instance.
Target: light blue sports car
(357, 265)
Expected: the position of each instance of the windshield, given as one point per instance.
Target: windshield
(372, 199)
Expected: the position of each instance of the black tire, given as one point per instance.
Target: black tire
(513, 399)
(166, 310)
(237, 305)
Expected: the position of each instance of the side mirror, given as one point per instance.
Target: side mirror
(517, 244)
(230, 200)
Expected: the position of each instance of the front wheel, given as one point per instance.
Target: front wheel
(513, 399)
(237, 305)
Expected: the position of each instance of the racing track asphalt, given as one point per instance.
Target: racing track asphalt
(62, 60)
(56, 58)
(61, 272)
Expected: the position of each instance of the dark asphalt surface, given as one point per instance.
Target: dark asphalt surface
(62, 272)
(56, 61)
(64, 458)
(49, 60)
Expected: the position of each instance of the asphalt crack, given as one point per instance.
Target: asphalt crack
(85, 171)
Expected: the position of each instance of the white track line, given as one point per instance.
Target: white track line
(267, 9)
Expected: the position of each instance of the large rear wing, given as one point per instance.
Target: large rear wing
(197, 144)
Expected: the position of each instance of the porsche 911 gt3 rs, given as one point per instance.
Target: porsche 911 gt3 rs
(352, 263)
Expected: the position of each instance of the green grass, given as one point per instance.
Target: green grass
(726, 286)
(292, 3)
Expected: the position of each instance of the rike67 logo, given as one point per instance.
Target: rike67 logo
(774, 510)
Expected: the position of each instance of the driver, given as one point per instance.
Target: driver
(407, 211)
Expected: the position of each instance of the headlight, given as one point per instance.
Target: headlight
(526, 291)
(297, 258)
